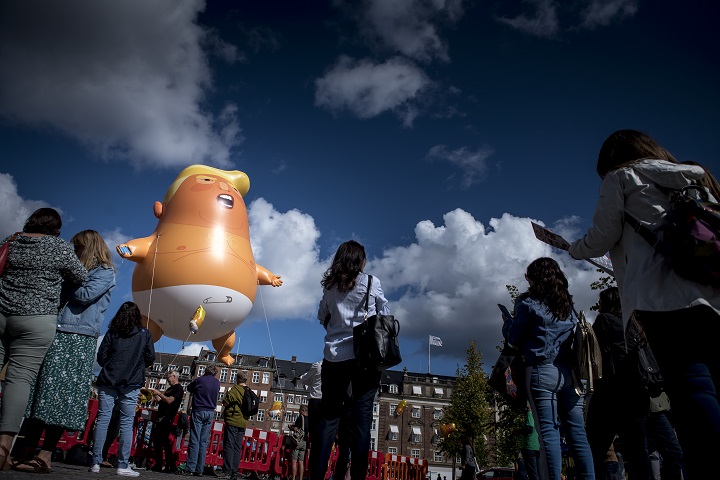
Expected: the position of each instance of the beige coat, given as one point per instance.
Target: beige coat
(645, 282)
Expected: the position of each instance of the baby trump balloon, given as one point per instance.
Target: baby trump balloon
(199, 254)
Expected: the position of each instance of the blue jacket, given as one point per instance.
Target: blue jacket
(84, 310)
(124, 358)
(537, 334)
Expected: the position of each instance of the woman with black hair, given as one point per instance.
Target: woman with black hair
(680, 317)
(342, 307)
(125, 351)
(541, 331)
(38, 261)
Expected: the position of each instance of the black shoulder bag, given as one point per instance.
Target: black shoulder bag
(375, 340)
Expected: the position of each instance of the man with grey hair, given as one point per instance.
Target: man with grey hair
(168, 404)
(205, 391)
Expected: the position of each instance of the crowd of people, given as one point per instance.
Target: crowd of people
(54, 295)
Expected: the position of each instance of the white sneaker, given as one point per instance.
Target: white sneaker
(94, 469)
(127, 472)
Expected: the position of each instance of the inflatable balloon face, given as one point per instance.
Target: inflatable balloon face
(199, 254)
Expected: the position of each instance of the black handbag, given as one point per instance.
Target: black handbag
(508, 378)
(375, 340)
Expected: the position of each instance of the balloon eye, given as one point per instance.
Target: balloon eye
(205, 180)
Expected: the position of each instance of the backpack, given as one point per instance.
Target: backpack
(689, 236)
(626, 353)
(250, 403)
(586, 357)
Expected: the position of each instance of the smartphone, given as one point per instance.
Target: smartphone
(124, 250)
(504, 311)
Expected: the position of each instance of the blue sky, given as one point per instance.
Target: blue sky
(432, 131)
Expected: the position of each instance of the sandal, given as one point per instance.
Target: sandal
(34, 465)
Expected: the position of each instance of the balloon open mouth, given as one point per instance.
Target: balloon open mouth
(225, 200)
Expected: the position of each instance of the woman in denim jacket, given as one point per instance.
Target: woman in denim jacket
(60, 398)
(540, 330)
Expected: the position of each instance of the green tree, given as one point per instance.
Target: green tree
(469, 409)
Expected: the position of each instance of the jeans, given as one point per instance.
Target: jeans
(685, 345)
(531, 458)
(661, 435)
(199, 439)
(162, 443)
(558, 406)
(232, 446)
(25, 341)
(337, 377)
(127, 398)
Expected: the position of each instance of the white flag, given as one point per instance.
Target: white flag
(435, 341)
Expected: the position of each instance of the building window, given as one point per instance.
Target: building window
(376, 408)
(373, 425)
(163, 381)
(393, 388)
(438, 392)
(157, 367)
(274, 416)
(393, 433)
(260, 415)
(393, 406)
(172, 368)
(305, 400)
(233, 376)
(437, 414)
(415, 435)
(210, 357)
(153, 382)
(186, 370)
(218, 415)
(256, 377)
(266, 377)
(221, 395)
(289, 417)
(291, 399)
(278, 397)
(263, 396)
(417, 390)
(415, 453)
(223, 375)
(438, 457)
(372, 444)
(201, 370)
(416, 412)
(392, 450)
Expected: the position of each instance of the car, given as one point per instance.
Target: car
(496, 473)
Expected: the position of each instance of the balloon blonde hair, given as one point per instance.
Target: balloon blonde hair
(239, 180)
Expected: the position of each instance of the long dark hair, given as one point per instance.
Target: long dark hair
(549, 285)
(609, 301)
(126, 319)
(625, 147)
(45, 220)
(347, 263)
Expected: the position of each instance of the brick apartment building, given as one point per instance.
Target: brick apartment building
(413, 434)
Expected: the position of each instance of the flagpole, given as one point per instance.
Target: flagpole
(428, 354)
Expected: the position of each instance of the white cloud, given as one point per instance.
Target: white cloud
(14, 210)
(472, 163)
(368, 89)
(127, 79)
(286, 244)
(601, 13)
(542, 23)
(410, 27)
(451, 278)
(113, 238)
(446, 283)
(192, 349)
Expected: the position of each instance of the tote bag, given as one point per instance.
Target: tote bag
(375, 340)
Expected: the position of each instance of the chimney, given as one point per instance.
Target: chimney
(294, 359)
